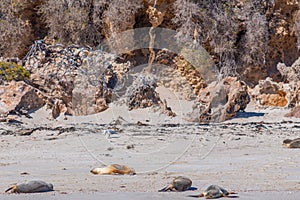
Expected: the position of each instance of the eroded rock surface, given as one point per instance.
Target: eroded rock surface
(270, 93)
(19, 97)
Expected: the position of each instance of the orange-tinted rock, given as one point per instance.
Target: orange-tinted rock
(270, 93)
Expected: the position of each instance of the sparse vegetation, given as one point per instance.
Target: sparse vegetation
(236, 34)
(11, 71)
(15, 33)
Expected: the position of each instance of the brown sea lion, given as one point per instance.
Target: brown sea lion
(214, 192)
(31, 187)
(113, 169)
(295, 143)
(179, 183)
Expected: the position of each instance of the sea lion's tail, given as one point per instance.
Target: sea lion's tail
(12, 188)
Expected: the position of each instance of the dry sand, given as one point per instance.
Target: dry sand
(243, 155)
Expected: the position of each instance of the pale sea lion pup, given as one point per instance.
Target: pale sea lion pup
(31, 187)
(295, 143)
(214, 192)
(113, 169)
(179, 183)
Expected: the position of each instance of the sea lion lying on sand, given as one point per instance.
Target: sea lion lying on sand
(31, 187)
(113, 169)
(214, 192)
(295, 143)
(179, 183)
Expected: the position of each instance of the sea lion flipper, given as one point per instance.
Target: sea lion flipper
(12, 189)
(167, 188)
(196, 195)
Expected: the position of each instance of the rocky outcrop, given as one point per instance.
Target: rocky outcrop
(282, 46)
(290, 74)
(220, 101)
(279, 94)
(142, 94)
(62, 73)
(294, 112)
(19, 97)
(270, 93)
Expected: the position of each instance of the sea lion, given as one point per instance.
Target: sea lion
(31, 187)
(295, 143)
(214, 192)
(179, 183)
(113, 169)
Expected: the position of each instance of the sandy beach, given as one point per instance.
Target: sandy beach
(244, 155)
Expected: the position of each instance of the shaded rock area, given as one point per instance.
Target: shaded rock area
(143, 96)
(292, 73)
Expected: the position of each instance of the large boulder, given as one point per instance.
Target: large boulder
(19, 97)
(220, 101)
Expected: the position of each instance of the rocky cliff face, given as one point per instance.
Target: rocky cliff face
(246, 39)
(223, 28)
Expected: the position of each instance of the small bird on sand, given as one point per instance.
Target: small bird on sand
(109, 132)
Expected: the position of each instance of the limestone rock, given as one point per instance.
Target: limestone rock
(63, 73)
(294, 112)
(270, 93)
(143, 96)
(237, 96)
(220, 101)
(292, 73)
(19, 97)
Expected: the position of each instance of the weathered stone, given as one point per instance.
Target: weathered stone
(292, 73)
(294, 112)
(19, 96)
(220, 101)
(143, 96)
(64, 73)
(270, 93)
